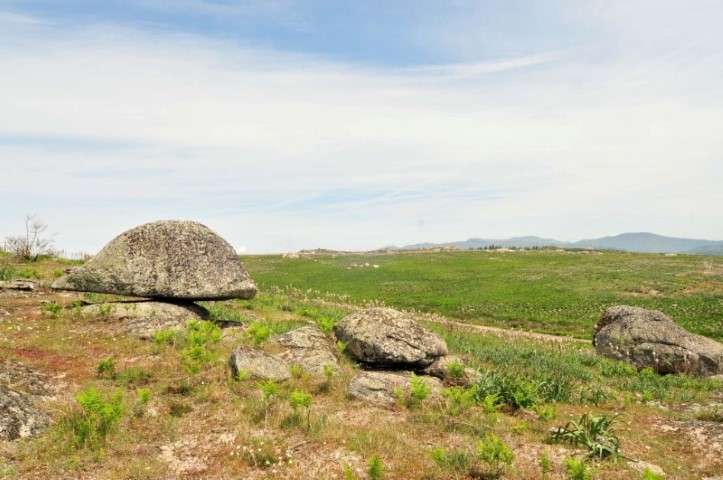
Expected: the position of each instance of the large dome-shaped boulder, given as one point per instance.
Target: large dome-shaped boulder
(385, 336)
(649, 338)
(167, 259)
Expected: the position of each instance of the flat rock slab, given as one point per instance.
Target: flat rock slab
(387, 337)
(166, 259)
(247, 362)
(307, 347)
(383, 387)
(143, 319)
(649, 338)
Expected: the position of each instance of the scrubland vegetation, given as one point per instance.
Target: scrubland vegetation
(170, 408)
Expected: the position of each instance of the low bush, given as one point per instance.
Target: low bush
(95, 418)
(375, 468)
(594, 433)
(495, 454)
(576, 469)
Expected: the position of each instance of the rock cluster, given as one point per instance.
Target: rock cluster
(391, 346)
(649, 338)
(171, 262)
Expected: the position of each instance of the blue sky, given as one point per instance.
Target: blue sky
(292, 124)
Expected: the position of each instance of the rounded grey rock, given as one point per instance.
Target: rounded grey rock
(167, 259)
(649, 338)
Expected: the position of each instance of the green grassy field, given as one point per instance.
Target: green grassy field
(545, 291)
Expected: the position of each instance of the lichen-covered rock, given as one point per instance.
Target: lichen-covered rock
(649, 338)
(19, 417)
(384, 388)
(451, 370)
(247, 362)
(167, 259)
(307, 347)
(385, 336)
(142, 319)
(21, 391)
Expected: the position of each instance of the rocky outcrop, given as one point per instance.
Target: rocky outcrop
(142, 319)
(166, 260)
(384, 388)
(649, 338)
(384, 336)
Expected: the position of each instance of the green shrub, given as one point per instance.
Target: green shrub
(132, 376)
(51, 309)
(95, 419)
(199, 339)
(165, 337)
(418, 391)
(105, 368)
(144, 396)
(455, 370)
(512, 391)
(576, 469)
(593, 433)
(650, 475)
(300, 401)
(459, 399)
(258, 332)
(495, 454)
(326, 324)
(7, 272)
(456, 461)
(375, 468)
(545, 464)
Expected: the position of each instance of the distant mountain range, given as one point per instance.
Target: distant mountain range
(631, 242)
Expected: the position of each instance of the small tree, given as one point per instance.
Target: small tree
(33, 243)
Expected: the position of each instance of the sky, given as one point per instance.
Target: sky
(285, 125)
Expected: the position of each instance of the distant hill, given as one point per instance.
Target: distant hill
(632, 242)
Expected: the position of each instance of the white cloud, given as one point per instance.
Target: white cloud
(280, 151)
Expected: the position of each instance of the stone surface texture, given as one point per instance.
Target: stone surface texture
(307, 347)
(384, 336)
(382, 388)
(167, 259)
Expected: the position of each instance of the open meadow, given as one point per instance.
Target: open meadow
(558, 292)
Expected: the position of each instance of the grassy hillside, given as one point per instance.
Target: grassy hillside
(546, 291)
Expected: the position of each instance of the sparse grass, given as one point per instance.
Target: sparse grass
(214, 418)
